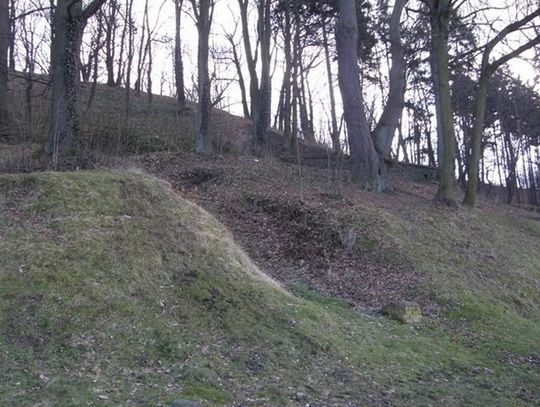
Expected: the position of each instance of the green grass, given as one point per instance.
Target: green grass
(115, 291)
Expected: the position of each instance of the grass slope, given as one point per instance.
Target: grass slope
(115, 291)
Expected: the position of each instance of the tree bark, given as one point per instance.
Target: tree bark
(251, 60)
(121, 64)
(110, 43)
(69, 21)
(478, 130)
(287, 95)
(12, 28)
(149, 91)
(5, 35)
(178, 61)
(334, 129)
(364, 157)
(385, 130)
(142, 53)
(129, 63)
(203, 14)
(64, 125)
(265, 92)
(440, 14)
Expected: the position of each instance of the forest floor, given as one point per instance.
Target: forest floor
(297, 224)
(304, 224)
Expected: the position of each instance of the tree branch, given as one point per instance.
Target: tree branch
(27, 13)
(504, 59)
(510, 29)
(92, 8)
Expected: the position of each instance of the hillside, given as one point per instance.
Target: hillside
(115, 290)
(107, 133)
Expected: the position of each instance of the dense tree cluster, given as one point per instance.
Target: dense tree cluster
(424, 81)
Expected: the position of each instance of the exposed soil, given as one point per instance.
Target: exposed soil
(283, 216)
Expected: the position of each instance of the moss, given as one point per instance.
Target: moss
(112, 285)
(198, 391)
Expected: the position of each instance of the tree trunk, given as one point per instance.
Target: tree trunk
(478, 130)
(178, 62)
(110, 44)
(129, 63)
(5, 35)
(12, 15)
(142, 53)
(241, 80)
(401, 143)
(385, 130)
(203, 143)
(364, 157)
(121, 65)
(251, 61)
(96, 63)
(287, 34)
(296, 56)
(511, 161)
(305, 124)
(69, 21)
(440, 27)
(64, 125)
(486, 71)
(149, 91)
(265, 92)
(334, 129)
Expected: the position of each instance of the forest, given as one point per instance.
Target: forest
(449, 84)
(328, 203)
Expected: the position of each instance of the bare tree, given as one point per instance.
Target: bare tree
(203, 11)
(334, 129)
(94, 61)
(251, 58)
(439, 11)
(110, 20)
(487, 69)
(5, 34)
(143, 52)
(129, 23)
(178, 61)
(364, 157)
(287, 78)
(12, 27)
(70, 18)
(385, 130)
(235, 57)
(265, 91)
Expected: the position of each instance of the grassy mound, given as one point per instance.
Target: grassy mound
(116, 291)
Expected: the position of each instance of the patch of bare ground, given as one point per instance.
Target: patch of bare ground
(291, 221)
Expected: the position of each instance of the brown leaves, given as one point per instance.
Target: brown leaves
(292, 226)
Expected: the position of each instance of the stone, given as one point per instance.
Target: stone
(403, 311)
(185, 403)
(300, 396)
